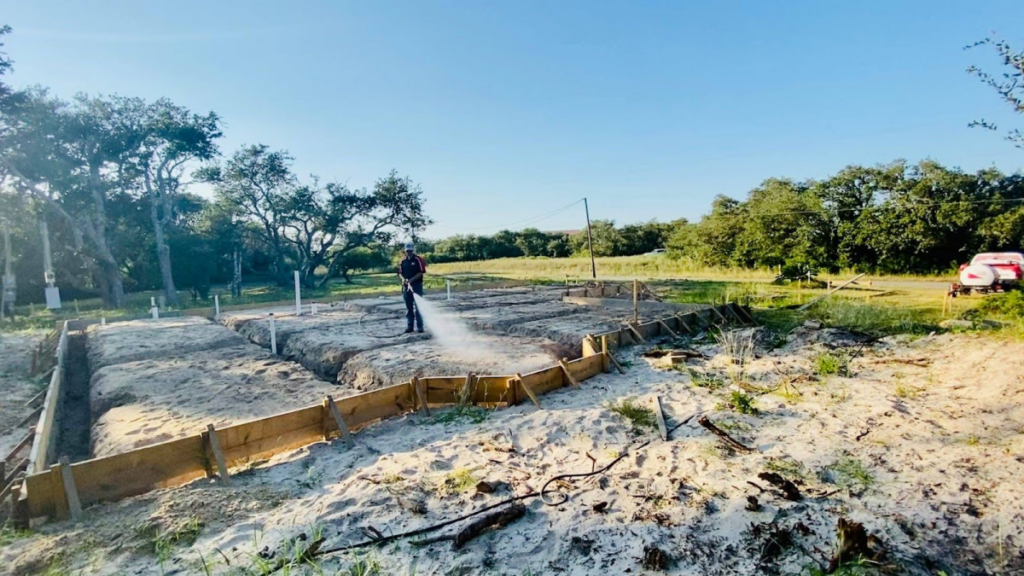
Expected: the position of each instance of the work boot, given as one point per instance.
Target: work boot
(420, 330)
(409, 330)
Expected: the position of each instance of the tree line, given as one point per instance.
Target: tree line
(114, 177)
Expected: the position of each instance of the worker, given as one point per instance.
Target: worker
(411, 271)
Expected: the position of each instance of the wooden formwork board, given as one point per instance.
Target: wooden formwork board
(118, 476)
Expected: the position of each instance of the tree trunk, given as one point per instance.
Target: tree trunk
(236, 274)
(163, 252)
(115, 282)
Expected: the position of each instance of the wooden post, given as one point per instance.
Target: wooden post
(332, 409)
(218, 455)
(466, 393)
(421, 395)
(736, 314)
(608, 355)
(564, 363)
(528, 390)
(70, 490)
(273, 336)
(636, 301)
(662, 428)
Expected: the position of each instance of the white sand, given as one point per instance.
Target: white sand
(940, 438)
(16, 386)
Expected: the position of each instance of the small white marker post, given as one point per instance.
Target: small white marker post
(273, 336)
(103, 321)
(216, 306)
(313, 309)
(153, 310)
(298, 295)
(449, 284)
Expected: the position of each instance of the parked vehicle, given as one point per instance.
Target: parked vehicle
(990, 272)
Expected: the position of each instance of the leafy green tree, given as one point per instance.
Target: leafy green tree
(607, 239)
(532, 242)
(1009, 85)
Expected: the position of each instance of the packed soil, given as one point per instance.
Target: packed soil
(917, 440)
(121, 342)
(17, 386)
(492, 355)
(153, 381)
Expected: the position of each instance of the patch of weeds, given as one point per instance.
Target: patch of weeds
(787, 467)
(314, 476)
(473, 414)
(849, 472)
(733, 425)
(638, 415)
(743, 403)
(391, 479)
(707, 380)
(906, 391)
(162, 543)
(876, 319)
(8, 534)
(839, 396)
(365, 567)
(458, 481)
(829, 364)
(972, 440)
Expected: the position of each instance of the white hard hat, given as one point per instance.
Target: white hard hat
(409, 246)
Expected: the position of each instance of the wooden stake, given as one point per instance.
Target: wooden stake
(25, 442)
(70, 490)
(528, 390)
(608, 356)
(466, 393)
(332, 408)
(568, 375)
(218, 455)
(421, 396)
(665, 327)
(662, 428)
(605, 364)
(636, 301)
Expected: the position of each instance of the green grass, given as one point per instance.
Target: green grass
(137, 303)
(743, 403)
(702, 379)
(787, 467)
(639, 416)
(473, 414)
(850, 473)
(830, 364)
(642, 267)
(459, 481)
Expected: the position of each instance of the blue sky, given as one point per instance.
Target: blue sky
(508, 111)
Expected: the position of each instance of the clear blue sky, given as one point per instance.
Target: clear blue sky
(506, 111)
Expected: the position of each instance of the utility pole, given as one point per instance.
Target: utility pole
(590, 241)
(51, 291)
(9, 290)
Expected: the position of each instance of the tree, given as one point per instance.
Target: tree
(532, 242)
(607, 240)
(360, 219)
(255, 183)
(1009, 85)
(363, 258)
(173, 139)
(72, 158)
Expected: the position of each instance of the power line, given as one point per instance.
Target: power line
(532, 220)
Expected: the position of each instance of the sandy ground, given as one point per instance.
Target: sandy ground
(922, 444)
(184, 384)
(16, 386)
(121, 342)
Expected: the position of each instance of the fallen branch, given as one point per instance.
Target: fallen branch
(788, 488)
(497, 519)
(729, 440)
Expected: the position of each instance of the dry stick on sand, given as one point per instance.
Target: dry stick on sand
(498, 519)
(543, 492)
(729, 440)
